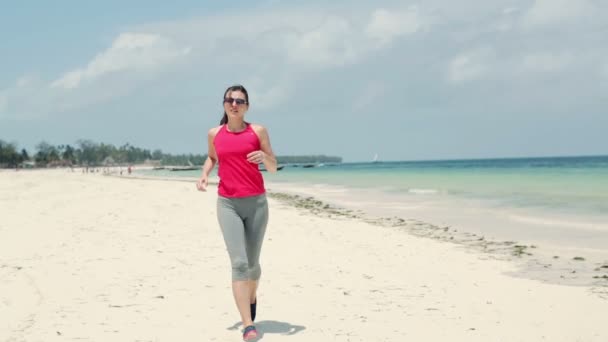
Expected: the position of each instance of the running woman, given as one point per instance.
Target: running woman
(238, 147)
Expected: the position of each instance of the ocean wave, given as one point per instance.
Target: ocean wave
(423, 191)
(589, 225)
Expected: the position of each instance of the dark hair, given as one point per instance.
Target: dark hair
(236, 87)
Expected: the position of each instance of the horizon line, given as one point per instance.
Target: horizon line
(483, 158)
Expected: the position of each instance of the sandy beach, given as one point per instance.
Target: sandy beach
(87, 257)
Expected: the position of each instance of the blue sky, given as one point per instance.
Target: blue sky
(408, 80)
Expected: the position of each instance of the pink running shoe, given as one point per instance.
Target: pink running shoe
(249, 333)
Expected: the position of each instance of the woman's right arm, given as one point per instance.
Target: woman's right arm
(209, 162)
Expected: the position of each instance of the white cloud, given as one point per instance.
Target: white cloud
(265, 93)
(331, 44)
(333, 40)
(264, 97)
(129, 51)
(386, 25)
(547, 62)
(470, 65)
(276, 45)
(551, 12)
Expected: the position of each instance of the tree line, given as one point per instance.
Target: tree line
(89, 153)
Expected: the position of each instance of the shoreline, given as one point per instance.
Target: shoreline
(534, 260)
(549, 268)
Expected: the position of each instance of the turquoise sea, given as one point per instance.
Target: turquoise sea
(562, 199)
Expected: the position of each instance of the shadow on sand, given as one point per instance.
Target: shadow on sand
(272, 327)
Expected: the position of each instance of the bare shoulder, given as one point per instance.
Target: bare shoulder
(213, 131)
(259, 129)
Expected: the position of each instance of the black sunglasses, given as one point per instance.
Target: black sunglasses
(238, 101)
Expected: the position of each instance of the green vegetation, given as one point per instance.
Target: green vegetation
(89, 153)
(10, 156)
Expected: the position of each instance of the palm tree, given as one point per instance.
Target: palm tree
(24, 155)
(68, 154)
(8, 154)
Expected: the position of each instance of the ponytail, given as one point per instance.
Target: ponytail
(224, 119)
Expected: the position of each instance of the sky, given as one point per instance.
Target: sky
(407, 80)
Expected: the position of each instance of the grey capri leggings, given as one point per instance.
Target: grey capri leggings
(243, 221)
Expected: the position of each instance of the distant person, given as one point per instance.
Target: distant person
(129, 170)
(242, 209)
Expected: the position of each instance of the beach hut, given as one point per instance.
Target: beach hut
(108, 161)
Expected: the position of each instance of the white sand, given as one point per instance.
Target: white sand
(85, 257)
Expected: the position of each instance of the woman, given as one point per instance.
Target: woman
(242, 209)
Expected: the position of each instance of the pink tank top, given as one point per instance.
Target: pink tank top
(238, 177)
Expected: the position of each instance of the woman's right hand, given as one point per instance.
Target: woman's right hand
(201, 184)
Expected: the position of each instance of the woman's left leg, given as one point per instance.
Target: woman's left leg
(255, 229)
(253, 288)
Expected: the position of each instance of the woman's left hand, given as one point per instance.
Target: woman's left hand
(256, 157)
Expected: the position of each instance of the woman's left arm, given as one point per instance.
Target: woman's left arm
(267, 156)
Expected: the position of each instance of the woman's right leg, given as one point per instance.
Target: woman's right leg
(233, 231)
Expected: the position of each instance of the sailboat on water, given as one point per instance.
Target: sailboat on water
(375, 159)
